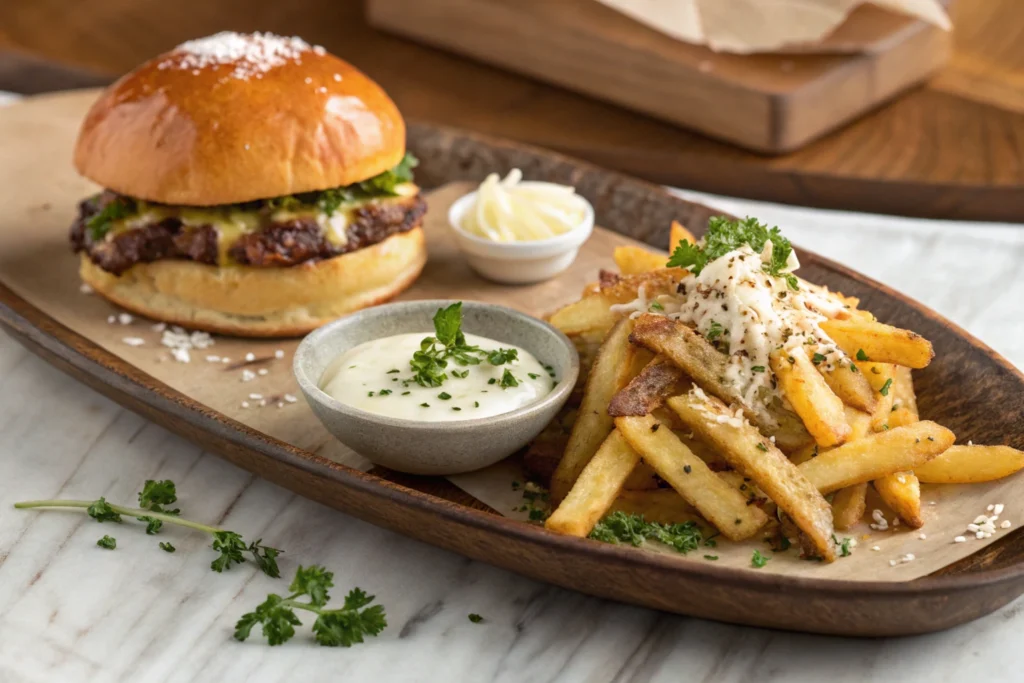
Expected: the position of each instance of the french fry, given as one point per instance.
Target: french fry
(664, 506)
(593, 423)
(881, 343)
(971, 465)
(756, 457)
(642, 478)
(904, 405)
(648, 389)
(860, 426)
(848, 505)
(596, 488)
(678, 233)
(692, 353)
(589, 313)
(881, 377)
(635, 260)
(876, 455)
(901, 491)
(625, 288)
(721, 504)
(637, 358)
(819, 408)
(850, 385)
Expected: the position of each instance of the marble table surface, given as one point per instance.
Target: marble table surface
(70, 611)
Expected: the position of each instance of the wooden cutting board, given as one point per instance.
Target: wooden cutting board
(767, 103)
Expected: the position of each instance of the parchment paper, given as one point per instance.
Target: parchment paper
(39, 191)
(745, 26)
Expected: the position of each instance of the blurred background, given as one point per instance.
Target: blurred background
(888, 113)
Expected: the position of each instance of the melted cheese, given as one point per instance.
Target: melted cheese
(231, 225)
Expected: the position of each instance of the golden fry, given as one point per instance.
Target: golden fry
(901, 491)
(589, 313)
(593, 423)
(904, 405)
(848, 505)
(595, 489)
(756, 457)
(850, 385)
(707, 366)
(875, 456)
(721, 504)
(881, 376)
(648, 390)
(819, 408)
(971, 465)
(678, 233)
(635, 260)
(642, 478)
(881, 343)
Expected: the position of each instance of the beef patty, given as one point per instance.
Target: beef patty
(276, 244)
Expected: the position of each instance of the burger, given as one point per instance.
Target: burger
(254, 185)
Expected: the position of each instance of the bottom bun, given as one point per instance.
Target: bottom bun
(264, 302)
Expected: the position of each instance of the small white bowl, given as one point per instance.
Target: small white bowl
(519, 263)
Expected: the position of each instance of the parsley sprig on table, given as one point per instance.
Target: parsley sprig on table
(343, 627)
(620, 527)
(154, 496)
(725, 235)
(448, 344)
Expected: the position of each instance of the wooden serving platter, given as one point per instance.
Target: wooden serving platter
(968, 387)
(770, 103)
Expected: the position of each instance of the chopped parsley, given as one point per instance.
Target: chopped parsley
(818, 358)
(532, 375)
(448, 345)
(758, 560)
(107, 542)
(508, 380)
(384, 392)
(167, 547)
(475, 618)
(861, 355)
(725, 235)
(715, 331)
(757, 368)
(762, 447)
(884, 391)
(656, 306)
(444, 396)
(620, 527)
(711, 557)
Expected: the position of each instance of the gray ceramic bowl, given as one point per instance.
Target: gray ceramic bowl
(439, 447)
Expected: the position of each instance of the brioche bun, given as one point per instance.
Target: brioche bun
(263, 302)
(237, 118)
(233, 118)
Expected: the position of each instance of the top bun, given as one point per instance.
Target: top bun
(233, 118)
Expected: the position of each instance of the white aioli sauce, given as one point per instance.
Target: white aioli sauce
(359, 376)
(749, 314)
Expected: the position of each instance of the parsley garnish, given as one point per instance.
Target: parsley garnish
(818, 358)
(757, 368)
(758, 560)
(107, 542)
(449, 345)
(725, 235)
(715, 331)
(167, 547)
(762, 447)
(656, 306)
(475, 618)
(384, 392)
(508, 380)
(620, 527)
(884, 391)
(711, 557)
(155, 495)
(444, 396)
(861, 355)
(333, 627)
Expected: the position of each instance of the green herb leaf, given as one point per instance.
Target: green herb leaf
(101, 223)
(758, 560)
(167, 547)
(620, 527)
(157, 493)
(475, 618)
(508, 380)
(724, 235)
(861, 355)
(818, 358)
(884, 391)
(102, 512)
(715, 331)
(448, 324)
(107, 542)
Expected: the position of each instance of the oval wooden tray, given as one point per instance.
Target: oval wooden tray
(969, 388)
